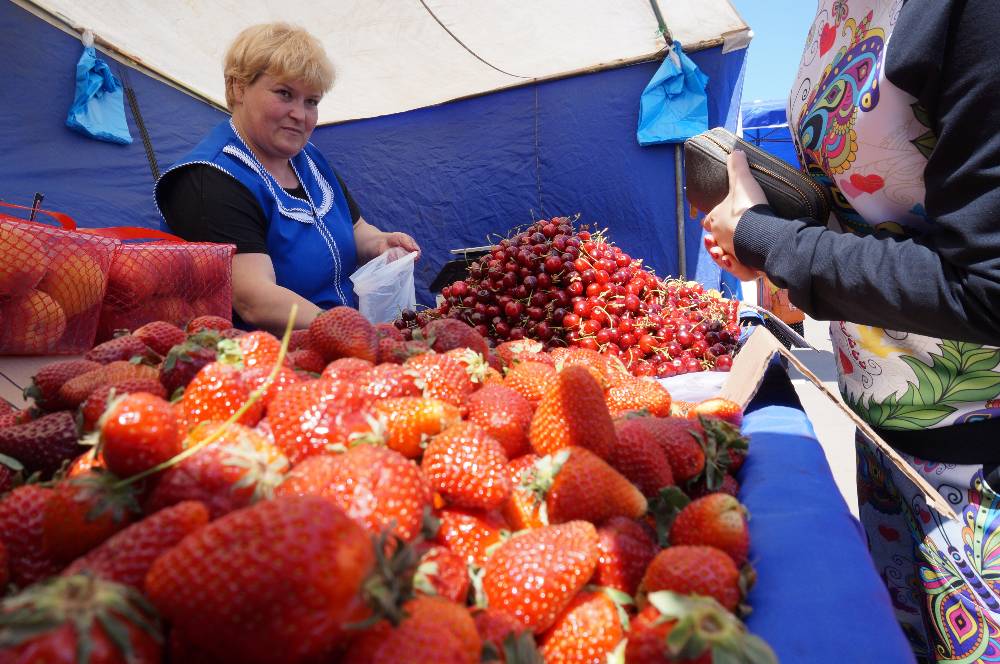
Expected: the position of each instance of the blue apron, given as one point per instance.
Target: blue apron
(311, 243)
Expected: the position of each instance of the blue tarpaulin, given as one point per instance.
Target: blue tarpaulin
(765, 124)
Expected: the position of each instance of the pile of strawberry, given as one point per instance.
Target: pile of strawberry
(366, 498)
(566, 287)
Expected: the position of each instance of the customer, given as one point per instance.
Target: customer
(255, 181)
(896, 107)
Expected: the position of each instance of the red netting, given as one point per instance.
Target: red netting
(52, 282)
(170, 281)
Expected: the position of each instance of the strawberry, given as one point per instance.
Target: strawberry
(467, 467)
(441, 377)
(470, 533)
(84, 511)
(390, 380)
(201, 323)
(434, 629)
(15, 417)
(503, 414)
(640, 458)
(692, 630)
(42, 445)
(531, 379)
(588, 630)
(298, 339)
(306, 359)
(375, 486)
(216, 392)
(388, 331)
(231, 333)
(474, 363)
(505, 637)
(235, 470)
(76, 390)
(124, 347)
(258, 348)
(523, 507)
(342, 332)
(44, 388)
(625, 549)
(577, 484)
(444, 334)
(138, 432)
(21, 516)
(290, 567)
(410, 421)
(87, 461)
(285, 377)
(183, 363)
(694, 570)
(512, 352)
(534, 575)
(442, 572)
(397, 352)
(729, 486)
(605, 369)
(11, 471)
(639, 394)
(79, 619)
(95, 405)
(349, 368)
(160, 336)
(127, 555)
(719, 408)
(679, 439)
(573, 413)
(680, 408)
(717, 520)
(4, 570)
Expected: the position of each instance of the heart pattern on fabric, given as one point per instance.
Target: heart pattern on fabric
(826, 38)
(845, 364)
(890, 534)
(867, 183)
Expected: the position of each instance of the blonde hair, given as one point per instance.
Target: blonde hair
(281, 50)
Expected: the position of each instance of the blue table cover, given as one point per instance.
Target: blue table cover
(818, 597)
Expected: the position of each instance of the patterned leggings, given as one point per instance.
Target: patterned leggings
(943, 576)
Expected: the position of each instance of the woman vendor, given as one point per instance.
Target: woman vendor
(255, 181)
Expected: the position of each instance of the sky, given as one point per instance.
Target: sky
(779, 28)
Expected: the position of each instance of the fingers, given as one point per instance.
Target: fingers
(737, 165)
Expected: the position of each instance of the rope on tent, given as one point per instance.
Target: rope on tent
(147, 143)
(462, 44)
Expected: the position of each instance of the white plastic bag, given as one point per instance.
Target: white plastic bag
(384, 286)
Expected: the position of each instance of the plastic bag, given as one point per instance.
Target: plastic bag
(384, 286)
(98, 108)
(674, 105)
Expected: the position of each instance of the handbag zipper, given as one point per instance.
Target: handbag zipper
(825, 212)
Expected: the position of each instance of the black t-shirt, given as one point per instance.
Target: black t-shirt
(202, 204)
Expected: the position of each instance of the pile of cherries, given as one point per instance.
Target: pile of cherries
(564, 286)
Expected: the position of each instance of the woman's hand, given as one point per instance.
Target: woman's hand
(720, 223)
(401, 240)
(728, 262)
(371, 242)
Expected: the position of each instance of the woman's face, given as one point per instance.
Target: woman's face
(277, 117)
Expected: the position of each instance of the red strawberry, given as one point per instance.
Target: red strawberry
(284, 378)
(639, 394)
(201, 323)
(717, 520)
(21, 516)
(76, 390)
(258, 349)
(397, 352)
(640, 458)
(235, 470)
(444, 334)
(719, 408)
(534, 575)
(503, 414)
(183, 363)
(298, 339)
(388, 331)
(470, 533)
(694, 570)
(467, 467)
(84, 511)
(441, 377)
(138, 432)
(95, 405)
(607, 370)
(70, 619)
(442, 572)
(523, 508)
(626, 548)
(4, 571)
(290, 567)
(160, 336)
(531, 379)
(216, 392)
(511, 352)
(729, 486)
(349, 368)
(679, 439)
(578, 484)
(127, 556)
(573, 413)
(342, 332)
(390, 380)
(306, 359)
(434, 629)
(124, 347)
(44, 388)
(10, 472)
(42, 445)
(374, 485)
(587, 630)
(410, 421)
(501, 633)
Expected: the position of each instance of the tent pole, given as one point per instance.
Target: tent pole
(679, 194)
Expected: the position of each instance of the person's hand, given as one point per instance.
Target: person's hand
(728, 262)
(744, 193)
(393, 240)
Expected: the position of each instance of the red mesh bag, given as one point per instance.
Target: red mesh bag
(52, 282)
(169, 280)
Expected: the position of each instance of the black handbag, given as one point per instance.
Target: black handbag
(790, 194)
